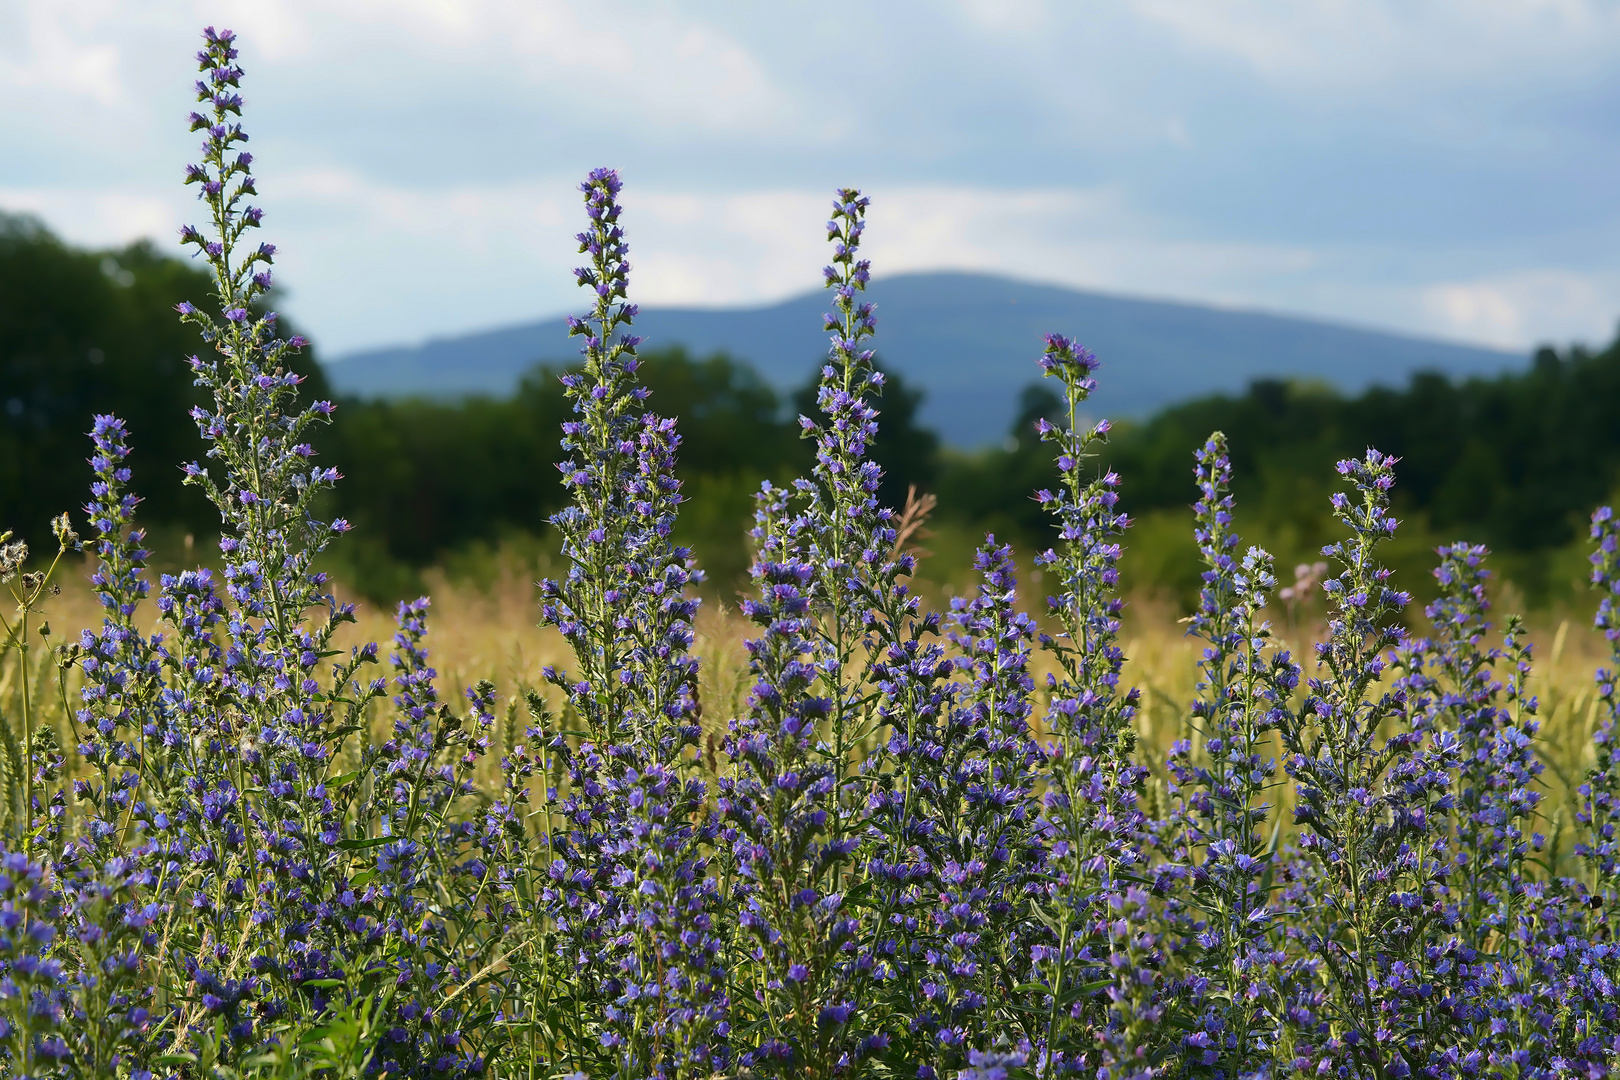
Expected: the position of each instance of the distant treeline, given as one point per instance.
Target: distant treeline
(83, 332)
(1516, 461)
(86, 332)
(423, 478)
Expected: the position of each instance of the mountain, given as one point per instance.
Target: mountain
(969, 340)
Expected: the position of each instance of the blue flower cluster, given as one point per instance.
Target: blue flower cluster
(1221, 853)
(905, 857)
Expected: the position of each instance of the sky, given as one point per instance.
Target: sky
(1448, 168)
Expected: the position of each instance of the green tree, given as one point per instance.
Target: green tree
(87, 332)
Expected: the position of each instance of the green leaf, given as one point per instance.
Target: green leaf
(358, 845)
(857, 894)
(1075, 993)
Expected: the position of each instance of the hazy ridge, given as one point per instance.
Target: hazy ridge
(969, 340)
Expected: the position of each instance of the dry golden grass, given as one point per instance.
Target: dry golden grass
(479, 631)
(491, 633)
(1162, 662)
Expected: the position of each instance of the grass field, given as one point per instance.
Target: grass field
(483, 625)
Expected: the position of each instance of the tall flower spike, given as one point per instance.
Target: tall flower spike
(847, 529)
(1599, 815)
(1452, 685)
(591, 606)
(120, 665)
(1245, 686)
(844, 638)
(983, 841)
(633, 899)
(1090, 816)
(260, 816)
(675, 900)
(1090, 714)
(783, 812)
(1372, 794)
(659, 575)
(883, 664)
(267, 496)
(595, 609)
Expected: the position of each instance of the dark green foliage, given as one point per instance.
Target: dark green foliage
(86, 332)
(425, 479)
(1513, 462)
(730, 419)
(996, 489)
(907, 452)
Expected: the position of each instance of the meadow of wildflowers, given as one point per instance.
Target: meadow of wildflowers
(922, 844)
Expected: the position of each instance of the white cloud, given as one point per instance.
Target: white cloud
(647, 64)
(101, 217)
(1006, 15)
(281, 29)
(723, 249)
(370, 263)
(1372, 43)
(763, 246)
(418, 156)
(43, 47)
(1527, 308)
